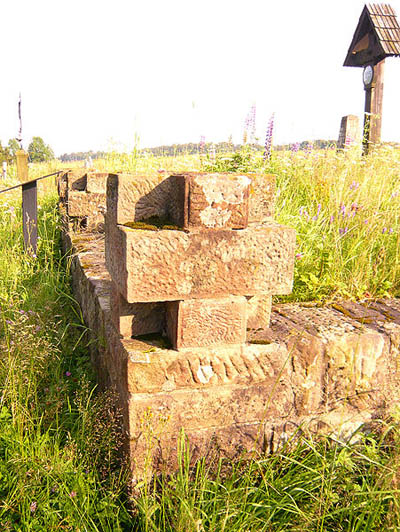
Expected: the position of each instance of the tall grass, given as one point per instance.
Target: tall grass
(59, 466)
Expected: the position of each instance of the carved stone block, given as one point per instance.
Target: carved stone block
(172, 265)
(206, 322)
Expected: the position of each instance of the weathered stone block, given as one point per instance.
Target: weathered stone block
(83, 204)
(258, 312)
(213, 201)
(262, 198)
(76, 179)
(206, 322)
(136, 197)
(356, 368)
(149, 266)
(135, 319)
(96, 182)
(257, 389)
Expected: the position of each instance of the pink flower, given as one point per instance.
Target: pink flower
(68, 374)
(72, 494)
(33, 507)
(299, 256)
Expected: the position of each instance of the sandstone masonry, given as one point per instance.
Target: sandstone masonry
(178, 302)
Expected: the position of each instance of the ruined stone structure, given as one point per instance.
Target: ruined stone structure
(177, 297)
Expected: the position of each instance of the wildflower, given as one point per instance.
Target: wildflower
(343, 231)
(384, 230)
(9, 322)
(202, 145)
(33, 507)
(72, 494)
(394, 194)
(68, 374)
(354, 185)
(295, 147)
(268, 138)
(390, 229)
(299, 256)
(332, 219)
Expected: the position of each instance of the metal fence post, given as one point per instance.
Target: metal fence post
(29, 216)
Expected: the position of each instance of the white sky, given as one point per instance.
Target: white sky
(92, 73)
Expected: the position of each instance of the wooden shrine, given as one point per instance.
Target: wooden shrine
(377, 36)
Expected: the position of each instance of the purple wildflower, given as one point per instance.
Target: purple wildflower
(343, 231)
(268, 138)
(33, 507)
(295, 147)
(202, 145)
(354, 185)
(390, 229)
(299, 256)
(72, 494)
(331, 219)
(384, 230)
(68, 374)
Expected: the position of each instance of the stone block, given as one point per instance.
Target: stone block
(138, 197)
(152, 369)
(136, 319)
(350, 132)
(150, 266)
(206, 322)
(212, 201)
(76, 178)
(81, 203)
(258, 312)
(96, 182)
(262, 198)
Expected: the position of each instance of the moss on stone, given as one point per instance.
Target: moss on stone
(154, 339)
(154, 223)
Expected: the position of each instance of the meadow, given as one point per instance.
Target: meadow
(59, 436)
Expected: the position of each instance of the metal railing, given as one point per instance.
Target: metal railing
(29, 210)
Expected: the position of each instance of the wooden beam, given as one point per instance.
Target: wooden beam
(22, 165)
(29, 215)
(373, 109)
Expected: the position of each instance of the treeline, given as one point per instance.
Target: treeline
(192, 148)
(82, 156)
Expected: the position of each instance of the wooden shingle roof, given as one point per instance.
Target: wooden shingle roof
(377, 36)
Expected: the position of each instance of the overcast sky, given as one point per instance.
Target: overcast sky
(93, 74)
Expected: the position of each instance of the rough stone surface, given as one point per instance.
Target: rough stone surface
(206, 322)
(258, 312)
(171, 265)
(97, 182)
(316, 369)
(214, 201)
(136, 319)
(136, 197)
(350, 132)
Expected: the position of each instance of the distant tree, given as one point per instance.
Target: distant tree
(13, 146)
(5, 154)
(39, 151)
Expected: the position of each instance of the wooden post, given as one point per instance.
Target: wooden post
(373, 109)
(22, 165)
(29, 215)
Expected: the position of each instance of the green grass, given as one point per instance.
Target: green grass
(59, 466)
